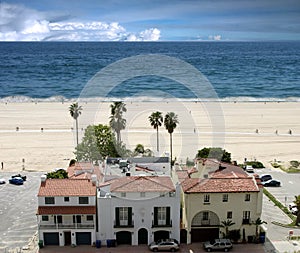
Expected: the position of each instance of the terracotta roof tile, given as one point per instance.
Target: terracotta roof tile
(84, 170)
(142, 184)
(214, 185)
(43, 210)
(67, 187)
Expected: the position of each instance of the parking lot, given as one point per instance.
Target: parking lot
(18, 211)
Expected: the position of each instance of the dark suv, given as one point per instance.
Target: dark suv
(265, 177)
(218, 244)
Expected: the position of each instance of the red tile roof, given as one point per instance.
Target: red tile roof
(217, 185)
(84, 170)
(67, 187)
(44, 210)
(142, 184)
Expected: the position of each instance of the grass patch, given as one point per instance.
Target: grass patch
(281, 206)
(293, 168)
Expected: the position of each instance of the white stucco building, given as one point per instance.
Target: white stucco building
(67, 211)
(138, 209)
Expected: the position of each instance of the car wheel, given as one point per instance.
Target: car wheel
(225, 250)
(173, 250)
(155, 249)
(208, 249)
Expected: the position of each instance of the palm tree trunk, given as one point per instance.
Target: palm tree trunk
(171, 150)
(76, 132)
(157, 141)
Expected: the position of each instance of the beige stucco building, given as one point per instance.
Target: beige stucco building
(214, 193)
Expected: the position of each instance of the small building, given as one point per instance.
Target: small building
(67, 211)
(217, 193)
(138, 209)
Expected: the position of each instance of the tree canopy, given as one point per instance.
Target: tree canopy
(61, 173)
(97, 143)
(215, 153)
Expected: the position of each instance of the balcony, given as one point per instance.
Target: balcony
(164, 224)
(69, 226)
(246, 221)
(123, 224)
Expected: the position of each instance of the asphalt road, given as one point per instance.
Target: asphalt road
(18, 211)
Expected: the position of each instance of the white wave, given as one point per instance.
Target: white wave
(26, 99)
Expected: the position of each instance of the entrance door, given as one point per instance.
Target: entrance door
(67, 238)
(143, 236)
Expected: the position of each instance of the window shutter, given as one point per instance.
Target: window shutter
(168, 221)
(129, 216)
(117, 210)
(155, 216)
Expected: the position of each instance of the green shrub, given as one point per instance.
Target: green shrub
(256, 164)
(294, 164)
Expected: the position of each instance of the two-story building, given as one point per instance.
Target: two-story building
(216, 194)
(138, 209)
(67, 211)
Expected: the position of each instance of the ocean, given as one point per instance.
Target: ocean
(237, 71)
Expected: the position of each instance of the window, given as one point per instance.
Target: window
(58, 219)
(89, 218)
(143, 194)
(162, 216)
(206, 198)
(77, 219)
(49, 200)
(45, 218)
(123, 216)
(229, 215)
(247, 197)
(246, 217)
(205, 216)
(225, 197)
(123, 194)
(83, 200)
(66, 199)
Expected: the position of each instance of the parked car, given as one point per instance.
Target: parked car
(293, 208)
(2, 181)
(271, 182)
(265, 177)
(249, 169)
(19, 175)
(16, 180)
(218, 244)
(164, 245)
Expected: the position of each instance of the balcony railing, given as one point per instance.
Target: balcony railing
(165, 225)
(124, 225)
(246, 221)
(59, 226)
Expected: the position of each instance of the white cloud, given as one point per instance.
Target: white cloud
(214, 37)
(18, 23)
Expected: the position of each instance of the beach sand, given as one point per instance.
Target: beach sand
(253, 130)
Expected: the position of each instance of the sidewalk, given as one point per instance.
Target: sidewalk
(191, 248)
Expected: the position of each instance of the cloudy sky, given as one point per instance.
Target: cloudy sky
(149, 20)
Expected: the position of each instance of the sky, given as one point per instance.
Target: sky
(149, 20)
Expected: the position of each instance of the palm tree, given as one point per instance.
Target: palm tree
(170, 123)
(257, 223)
(75, 111)
(297, 203)
(226, 224)
(156, 120)
(117, 122)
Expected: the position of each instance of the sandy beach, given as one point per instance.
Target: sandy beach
(253, 130)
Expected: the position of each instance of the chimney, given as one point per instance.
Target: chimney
(43, 178)
(94, 179)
